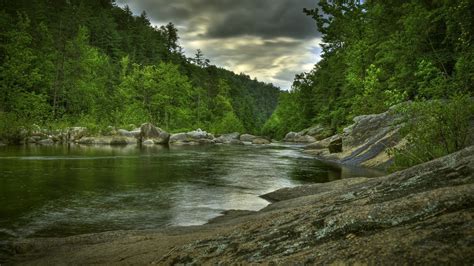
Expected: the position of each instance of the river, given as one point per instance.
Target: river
(48, 191)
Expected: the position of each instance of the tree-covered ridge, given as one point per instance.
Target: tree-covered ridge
(91, 63)
(377, 54)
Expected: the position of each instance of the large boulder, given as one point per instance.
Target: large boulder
(195, 137)
(47, 141)
(364, 143)
(247, 137)
(308, 135)
(156, 134)
(335, 145)
(231, 138)
(131, 134)
(260, 141)
(298, 137)
(107, 140)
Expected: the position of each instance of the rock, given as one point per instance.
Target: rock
(119, 140)
(364, 143)
(422, 216)
(31, 140)
(86, 141)
(319, 132)
(228, 138)
(236, 142)
(298, 138)
(76, 133)
(304, 139)
(2, 144)
(260, 141)
(308, 135)
(131, 134)
(192, 138)
(107, 140)
(148, 142)
(46, 142)
(150, 132)
(290, 136)
(247, 137)
(335, 145)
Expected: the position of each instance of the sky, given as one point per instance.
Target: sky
(271, 40)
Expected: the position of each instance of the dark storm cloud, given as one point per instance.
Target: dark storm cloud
(269, 39)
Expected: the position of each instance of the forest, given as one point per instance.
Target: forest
(91, 63)
(377, 54)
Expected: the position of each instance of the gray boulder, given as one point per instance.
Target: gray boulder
(364, 143)
(107, 140)
(260, 141)
(335, 145)
(148, 142)
(247, 137)
(156, 134)
(47, 141)
(228, 138)
(195, 137)
(308, 135)
(131, 134)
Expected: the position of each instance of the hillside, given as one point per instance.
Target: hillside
(93, 64)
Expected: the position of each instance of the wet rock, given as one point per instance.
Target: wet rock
(260, 141)
(157, 135)
(148, 142)
(364, 143)
(46, 142)
(131, 134)
(228, 138)
(196, 137)
(236, 142)
(247, 137)
(107, 140)
(335, 145)
(308, 135)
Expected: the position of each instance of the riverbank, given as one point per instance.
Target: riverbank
(419, 215)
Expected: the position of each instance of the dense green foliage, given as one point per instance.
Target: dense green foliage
(433, 129)
(89, 62)
(377, 54)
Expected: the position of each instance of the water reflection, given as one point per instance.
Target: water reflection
(65, 190)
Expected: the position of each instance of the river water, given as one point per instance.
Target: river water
(67, 190)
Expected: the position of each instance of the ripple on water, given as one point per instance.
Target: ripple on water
(65, 192)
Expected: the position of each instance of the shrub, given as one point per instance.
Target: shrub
(434, 129)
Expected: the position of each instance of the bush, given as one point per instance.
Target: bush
(434, 129)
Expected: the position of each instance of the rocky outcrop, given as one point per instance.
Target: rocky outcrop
(364, 143)
(298, 138)
(261, 141)
(196, 137)
(422, 215)
(131, 134)
(231, 138)
(308, 135)
(247, 137)
(149, 132)
(107, 140)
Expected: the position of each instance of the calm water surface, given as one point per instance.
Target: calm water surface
(60, 190)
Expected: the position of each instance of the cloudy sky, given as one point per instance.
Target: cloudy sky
(271, 40)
